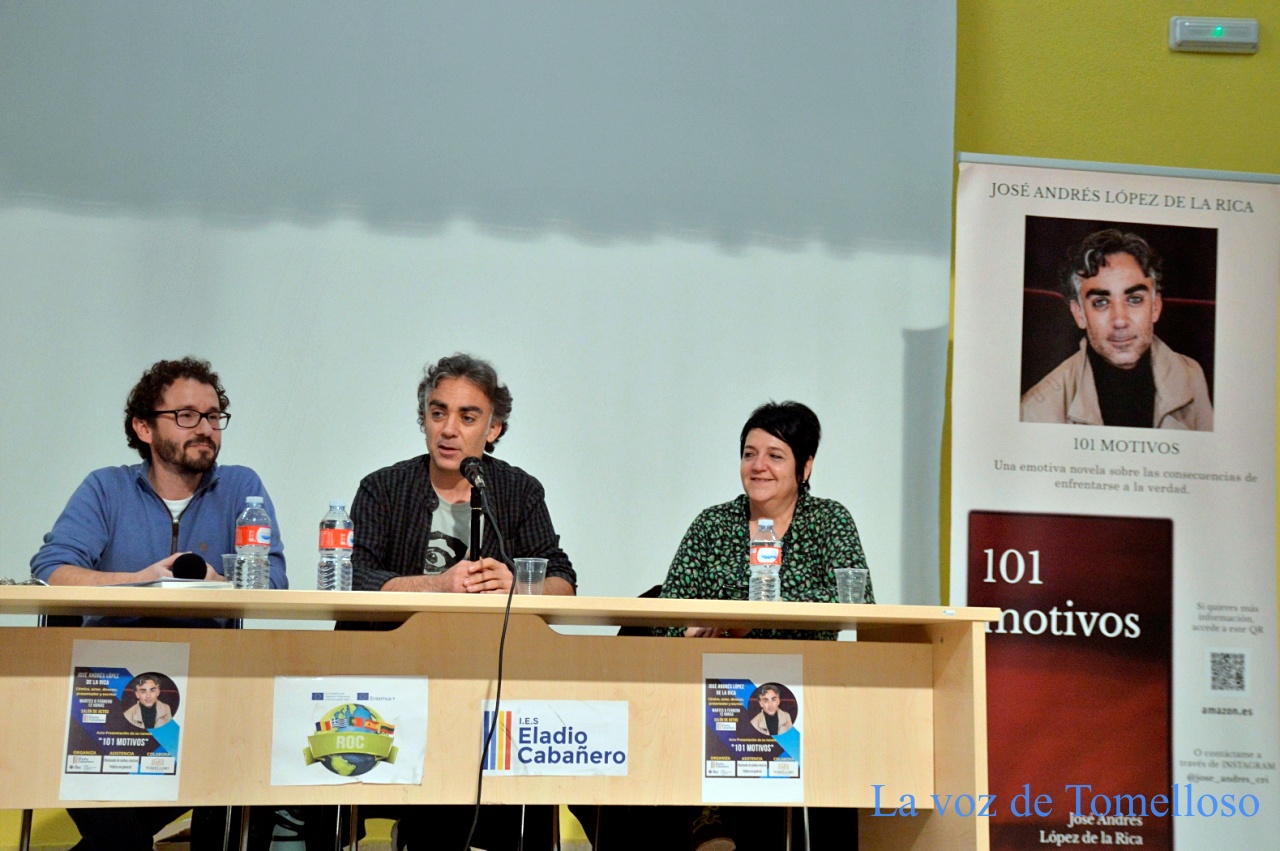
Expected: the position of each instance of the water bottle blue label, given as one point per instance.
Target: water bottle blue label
(766, 555)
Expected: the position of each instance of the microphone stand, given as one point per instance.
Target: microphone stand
(477, 512)
(478, 487)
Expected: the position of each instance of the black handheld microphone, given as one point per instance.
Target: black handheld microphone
(188, 566)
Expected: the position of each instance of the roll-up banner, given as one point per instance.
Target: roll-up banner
(1114, 494)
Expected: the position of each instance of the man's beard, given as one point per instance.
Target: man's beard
(169, 452)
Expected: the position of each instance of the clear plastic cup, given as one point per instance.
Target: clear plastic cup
(851, 584)
(232, 565)
(531, 574)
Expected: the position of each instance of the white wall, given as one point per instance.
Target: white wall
(651, 218)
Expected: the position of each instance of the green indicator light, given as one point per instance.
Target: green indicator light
(1217, 32)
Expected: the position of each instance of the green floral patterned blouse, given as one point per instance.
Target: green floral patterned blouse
(712, 561)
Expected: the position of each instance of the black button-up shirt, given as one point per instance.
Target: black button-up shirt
(392, 518)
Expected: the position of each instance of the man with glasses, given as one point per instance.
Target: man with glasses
(129, 524)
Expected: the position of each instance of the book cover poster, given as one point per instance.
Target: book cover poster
(753, 713)
(1083, 648)
(124, 731)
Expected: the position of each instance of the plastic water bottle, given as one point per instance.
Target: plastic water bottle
(335, 549)
(253, 528)
(765, 554)
(253, 542)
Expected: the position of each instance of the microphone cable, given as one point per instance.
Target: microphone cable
(502, 651)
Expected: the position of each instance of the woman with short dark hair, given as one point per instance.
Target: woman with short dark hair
(777, 447)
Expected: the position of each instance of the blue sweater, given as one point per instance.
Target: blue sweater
(116, 522)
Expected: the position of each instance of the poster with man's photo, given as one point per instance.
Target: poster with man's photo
(1114, 493)
(124, 730)
(753, 715)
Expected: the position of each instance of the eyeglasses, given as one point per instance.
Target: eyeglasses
(187, 418)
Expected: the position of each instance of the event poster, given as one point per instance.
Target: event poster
(124, 733)
(566, 738)
(327, 731)
(1114, 494)
(753, 712)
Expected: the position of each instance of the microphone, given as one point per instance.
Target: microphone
(188, 566)
(473, 470)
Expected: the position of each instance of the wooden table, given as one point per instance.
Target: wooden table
(904, 707)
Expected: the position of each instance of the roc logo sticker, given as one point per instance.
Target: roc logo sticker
(350, 740)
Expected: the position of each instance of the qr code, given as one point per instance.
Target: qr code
(1227, 671)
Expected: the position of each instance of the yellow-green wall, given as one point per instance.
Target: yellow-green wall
(1095, 80)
